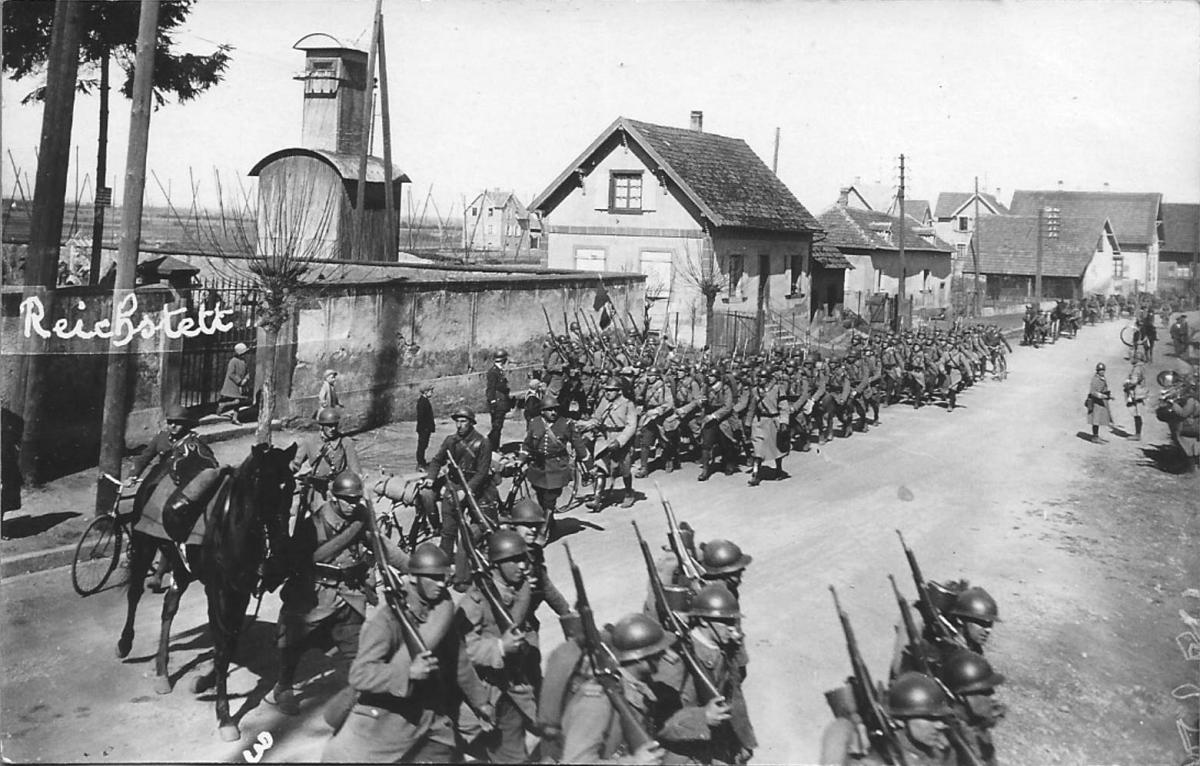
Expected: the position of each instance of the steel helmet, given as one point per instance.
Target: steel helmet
(549, 402)
(612, 383)
(464, 413)
(916, 695)
(722, 557)
(637, 636)
(429, 559)
(527, 512)
(347, 485)
(975, 604)
(177, 413)
(967, 672)
(506, 544)
(328, 416)
(714, 602)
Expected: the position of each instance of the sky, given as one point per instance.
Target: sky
(1022, 95)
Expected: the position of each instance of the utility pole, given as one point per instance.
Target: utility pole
(388, 193)
(360, 211)
(112, 432)
(103, 193)
(45, 225)
(902, 318)
(1037, 274)
(975, 239)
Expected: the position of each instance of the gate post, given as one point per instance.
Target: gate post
(170, 369)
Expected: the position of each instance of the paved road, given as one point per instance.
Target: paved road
(975, 492)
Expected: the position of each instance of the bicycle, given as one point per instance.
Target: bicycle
(100, 546)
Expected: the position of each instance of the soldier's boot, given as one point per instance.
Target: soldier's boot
(284, 699)
(705, 465)
(628, 500)
(597, 502)
(643, 469)
(875, 413)
(1137, 427)
(754, 478)
(952, 396)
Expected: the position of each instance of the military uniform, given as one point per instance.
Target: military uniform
(716, 427)
(499, 401)
(617, 421)
(550, 459)
(840, 746)
(659, 423)
(591, 729)
(473, 454)
(395, 718)
(326, 459)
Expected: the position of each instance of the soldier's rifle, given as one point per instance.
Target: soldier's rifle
(687, 564)
(393, 591)
(481, 574)
(706, 687)
(937, 624)
(553, 338)
(472, 504)
(881, 729)
(605, 666)
(916, 648)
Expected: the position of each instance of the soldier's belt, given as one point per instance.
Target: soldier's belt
(398, 705)
(328, 574)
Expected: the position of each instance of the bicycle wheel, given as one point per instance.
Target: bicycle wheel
(96, 555)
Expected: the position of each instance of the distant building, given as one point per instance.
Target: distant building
(1181, 237)
(496, 223)
(954, 219)
(1136, 221)
(694, 212)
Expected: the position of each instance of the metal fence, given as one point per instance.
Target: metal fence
(206, 357)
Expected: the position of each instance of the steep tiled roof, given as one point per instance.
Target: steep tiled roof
(1133, 217)
(1180, 222)
(1008, 245)
(722, 176)
(853, 229)
(829, 256)
(917, 208)
(881, 197)
(949, 203)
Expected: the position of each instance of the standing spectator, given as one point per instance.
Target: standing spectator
(328, 396)
(236, 385)
(1097, 403)
(425, 424)
(498, 396)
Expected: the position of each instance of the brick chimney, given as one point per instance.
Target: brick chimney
(335, 88)
(843, 196)
(698, 121)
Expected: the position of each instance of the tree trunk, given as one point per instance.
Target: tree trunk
(266, 387)
(710, 302)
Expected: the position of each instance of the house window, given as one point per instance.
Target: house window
(736, 272)
(590, 259)
(656, 265)
(625, 191)
(474, 212)
(534, 241)
(795, 273)
(962, 250)
(964, 223)
(1118, 267)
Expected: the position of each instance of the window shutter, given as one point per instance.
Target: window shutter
(598, 190)
(650, 191)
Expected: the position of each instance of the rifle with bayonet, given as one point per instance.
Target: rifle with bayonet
(880, 728)
(393, 591)
(706, 687)
(605, 666)
(917, 650)
(939, 627)
(687, 564)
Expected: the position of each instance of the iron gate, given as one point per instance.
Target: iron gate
(206, 357)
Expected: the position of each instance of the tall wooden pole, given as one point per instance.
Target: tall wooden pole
(775, 157)
(45, 225)
(388, 194)
(112, 433)
(1037, 274)
(902, 318)
(975, 245)
(360, 211)
(103, 200)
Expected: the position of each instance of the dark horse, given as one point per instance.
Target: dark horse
(251, 507)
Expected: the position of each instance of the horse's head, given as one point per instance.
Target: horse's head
(267, 478)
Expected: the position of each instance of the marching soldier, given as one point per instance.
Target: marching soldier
(972, 682)
(549, 440)
(716, 426)
(614, 422)
(406, 706)
(659, 424)
(508, 672)
(768, 408)
(716, 730)
(473, 454)
(689, 400)
(326, 455)
(325, 602)
(529, 521)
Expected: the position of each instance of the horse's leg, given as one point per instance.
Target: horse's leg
(141, 553)
(180, 579)
(226, 612)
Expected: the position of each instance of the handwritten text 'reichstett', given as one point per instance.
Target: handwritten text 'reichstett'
(168, 321)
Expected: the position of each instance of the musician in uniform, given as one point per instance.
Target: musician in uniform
(406, 706)
(614, 423)
(324, 603)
